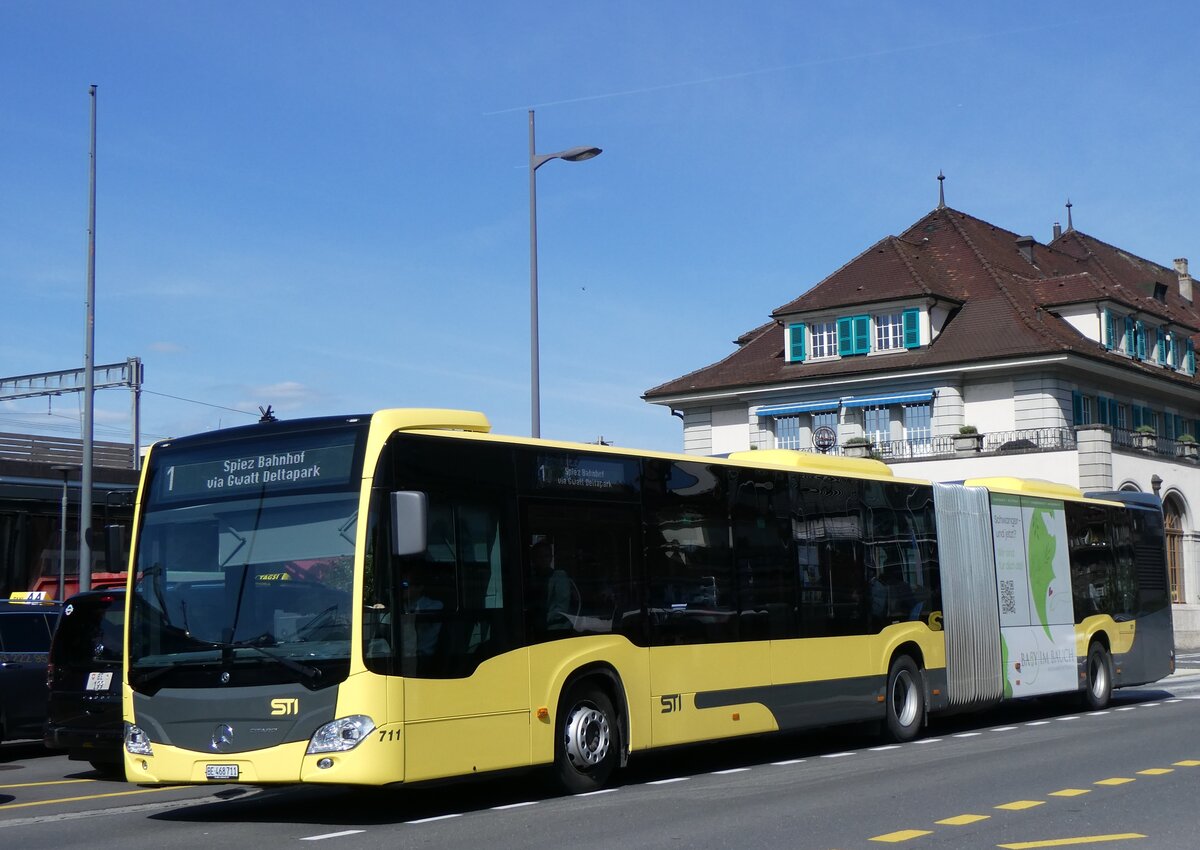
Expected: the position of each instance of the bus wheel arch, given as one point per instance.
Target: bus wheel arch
(590, 729)
(905, 702)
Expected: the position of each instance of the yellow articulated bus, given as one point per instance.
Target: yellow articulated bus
(405, 597)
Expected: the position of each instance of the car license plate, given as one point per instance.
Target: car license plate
(220, 771)
(98, 681)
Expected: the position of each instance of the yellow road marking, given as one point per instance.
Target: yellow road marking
(963, 820)
(902, 835)
(1019, 805)
(1070, 792)
(1156, 771)
(8, 806)
(1188, 763)
(53, 782)
(1116, 780)
(1063, 842)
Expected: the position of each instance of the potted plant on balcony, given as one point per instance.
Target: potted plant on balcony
(968, 440)
(1145, 438)
(1186, 447)
(858, 447)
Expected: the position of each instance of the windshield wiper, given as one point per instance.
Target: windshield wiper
(309, 675)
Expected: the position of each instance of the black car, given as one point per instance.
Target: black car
(84, 716)
(25, 630)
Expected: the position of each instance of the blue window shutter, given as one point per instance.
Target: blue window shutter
(1109, 341)
(862, 334)
(1140, 334)
(912, 328)
(1160, 355)
(1169, 426)
(796, 343)
(1113, 415)
(1191, 357)
(1077, 407)
(1129, 347)
(1102, 410)
(1137, 415)
(845, 327)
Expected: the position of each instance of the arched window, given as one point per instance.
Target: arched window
(1173, 520)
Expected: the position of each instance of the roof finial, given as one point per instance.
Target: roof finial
(1070, 224)
(941, 190)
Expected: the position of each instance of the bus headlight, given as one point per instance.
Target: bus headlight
(341, 735)
(137, 741)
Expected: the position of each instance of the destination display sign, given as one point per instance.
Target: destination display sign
(254, 469)
(586, 472)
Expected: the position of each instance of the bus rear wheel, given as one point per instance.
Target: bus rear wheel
(1098, 690)
(905, 700)
(587, 741)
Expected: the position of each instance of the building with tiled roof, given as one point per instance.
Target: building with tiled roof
(1073, 361)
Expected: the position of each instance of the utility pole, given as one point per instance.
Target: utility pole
(89, 387)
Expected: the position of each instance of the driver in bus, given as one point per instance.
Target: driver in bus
(557, 584)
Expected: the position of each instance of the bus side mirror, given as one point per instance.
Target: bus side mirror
(409, 513)
(115, 556)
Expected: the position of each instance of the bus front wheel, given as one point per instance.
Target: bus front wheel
(588, 740)
(1099, 677)
(905, 700)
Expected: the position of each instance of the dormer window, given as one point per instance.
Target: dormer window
(848, 336)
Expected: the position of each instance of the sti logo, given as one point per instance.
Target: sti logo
(285, 706)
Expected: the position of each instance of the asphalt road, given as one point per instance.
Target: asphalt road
(1019, 777)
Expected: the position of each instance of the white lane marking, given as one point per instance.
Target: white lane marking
(431, 820)
(669, 781)
(730, 770)
(789, 761)
(1174, 700)
(885, 747)
(594, 793)
(1097, 713)
(1038, 723)
(1150, 704)
(967, 734)
(836, 755)
(341, 834)
(514, 806)
(1004, 729)
(1127, 708)
(928, 741)
(1071, 717)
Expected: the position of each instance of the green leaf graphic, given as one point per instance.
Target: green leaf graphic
(1041, 565)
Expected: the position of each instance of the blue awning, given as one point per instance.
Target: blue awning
(799, 407)
(888, 398)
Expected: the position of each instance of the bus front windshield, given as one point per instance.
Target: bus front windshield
(252, 587)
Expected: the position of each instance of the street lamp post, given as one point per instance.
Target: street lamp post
(62, 531)
(536, 161)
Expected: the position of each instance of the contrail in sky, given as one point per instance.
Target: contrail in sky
(792, 67)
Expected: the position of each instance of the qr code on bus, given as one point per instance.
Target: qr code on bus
(1008, 597)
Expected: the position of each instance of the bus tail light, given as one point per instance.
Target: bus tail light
(341, 735)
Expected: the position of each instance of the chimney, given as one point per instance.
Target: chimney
(1025, 246)
(1185, 279)
(1057, 230)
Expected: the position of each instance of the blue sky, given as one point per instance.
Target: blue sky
(324, 207)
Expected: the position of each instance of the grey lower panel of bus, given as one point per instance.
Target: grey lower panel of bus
(966, 558)
(804, 705)
(233, 720)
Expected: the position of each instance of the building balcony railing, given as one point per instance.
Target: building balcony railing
(949, 445)
(1150, 443)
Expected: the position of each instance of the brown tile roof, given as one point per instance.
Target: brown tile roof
(999, 302)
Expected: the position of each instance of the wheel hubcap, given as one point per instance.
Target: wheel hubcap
(1099, 677)
(904, 698)
(586, 737)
